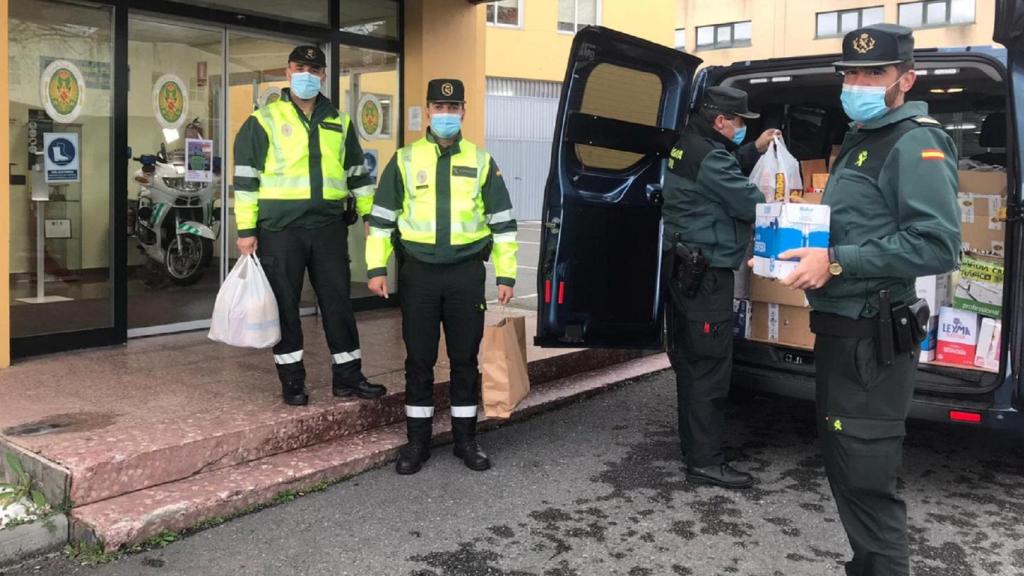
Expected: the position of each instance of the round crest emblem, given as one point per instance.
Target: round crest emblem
(270, 95)
(170, 101)
(447, 89)
(287, 130)
(421, 177)
(370, 117)
(863, 43)
(63, 91)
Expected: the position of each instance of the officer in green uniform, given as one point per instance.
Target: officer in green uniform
(298, 171)
(442, 206)
(708, 214)
(893, 195)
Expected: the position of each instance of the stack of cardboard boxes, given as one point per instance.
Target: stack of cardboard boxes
(969, 325)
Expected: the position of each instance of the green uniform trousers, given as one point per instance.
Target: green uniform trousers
(862, 409)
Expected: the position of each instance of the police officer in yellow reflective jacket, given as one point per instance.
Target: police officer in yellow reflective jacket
(894, 216)
(443, 207)
(298, 172)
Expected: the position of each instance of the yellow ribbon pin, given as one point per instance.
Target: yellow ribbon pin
(862, 157)
(837, 425)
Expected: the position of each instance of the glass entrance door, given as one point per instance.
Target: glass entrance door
(61, 135)
(176, 189)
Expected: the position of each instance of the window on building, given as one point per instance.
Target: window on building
(680, 38)
(839, 22)
(931, 13)
(505, 13)
(723, 35)
(574, 15)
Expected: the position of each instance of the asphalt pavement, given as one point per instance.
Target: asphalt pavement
(597, 488)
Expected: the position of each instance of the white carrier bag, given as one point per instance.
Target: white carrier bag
(776, 172)
(245, 314)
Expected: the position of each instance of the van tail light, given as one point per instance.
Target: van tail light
(547, 291)
(561, 292)
(961, 416)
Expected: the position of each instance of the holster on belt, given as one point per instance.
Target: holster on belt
(897, 329)
(688, 269)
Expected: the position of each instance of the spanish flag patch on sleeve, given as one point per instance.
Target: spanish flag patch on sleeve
(932, 154)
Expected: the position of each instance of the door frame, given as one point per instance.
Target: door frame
(329, 35)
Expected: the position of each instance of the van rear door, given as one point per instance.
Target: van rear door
(1009, 31)
(623, 102)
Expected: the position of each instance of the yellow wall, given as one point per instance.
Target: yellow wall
(538, 51)
(787, 27)
(454, 48)
(5, 199)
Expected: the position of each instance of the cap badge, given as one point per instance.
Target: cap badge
(311, 53)
(863, 43)
(447, 89)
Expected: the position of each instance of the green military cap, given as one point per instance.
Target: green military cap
(446, 90)
(728, 101)
(877, 45)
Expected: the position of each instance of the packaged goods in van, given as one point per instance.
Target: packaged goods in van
(989, 339)
(936, 290)
(741, 329)
(982, 199)
(979, 287)
(930, 341)
(819, 181)
(808, 168)
(782, 226)
(957, 337)
(781, 324)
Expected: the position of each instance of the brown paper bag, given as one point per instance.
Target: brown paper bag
(503, 364)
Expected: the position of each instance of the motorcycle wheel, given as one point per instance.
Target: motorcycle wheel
(186, 268)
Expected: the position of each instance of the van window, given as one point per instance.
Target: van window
(619, 93)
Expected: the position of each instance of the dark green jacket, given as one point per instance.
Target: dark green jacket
(391, 196)
(709, 202)
(895, 216)
(251, 146)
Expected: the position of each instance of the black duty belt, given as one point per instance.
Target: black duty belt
(827, 324)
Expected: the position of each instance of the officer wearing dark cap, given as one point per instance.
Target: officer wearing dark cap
(442, 206)
(893, 199)
(298, 172)
(708, 214)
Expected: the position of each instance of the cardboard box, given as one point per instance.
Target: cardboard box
(957, 337)
(930, 342)
(773, 292)
(819, 181)
(989, 340)
(979, 287)
(741, 329)
(808, 168)
(982, 195)
(832, 156)
(936, 290)
(780, 324)
(812, 197)
(780, 227)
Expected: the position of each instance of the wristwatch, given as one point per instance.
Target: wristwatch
(834, 267)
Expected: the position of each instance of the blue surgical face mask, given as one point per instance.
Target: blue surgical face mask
(864, 103)
(305, 85)
(739, 135)
(445, 125)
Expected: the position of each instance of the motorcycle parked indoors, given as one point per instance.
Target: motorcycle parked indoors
(174, 220)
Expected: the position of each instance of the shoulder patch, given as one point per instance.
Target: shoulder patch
(926, 121)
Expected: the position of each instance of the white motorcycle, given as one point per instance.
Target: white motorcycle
(175, 221)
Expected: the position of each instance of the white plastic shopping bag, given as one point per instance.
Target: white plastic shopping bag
(245, 313)
(777, 172)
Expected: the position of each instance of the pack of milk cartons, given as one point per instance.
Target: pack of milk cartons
(787, 226)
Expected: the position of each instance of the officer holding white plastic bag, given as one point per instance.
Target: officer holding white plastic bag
(245, 313)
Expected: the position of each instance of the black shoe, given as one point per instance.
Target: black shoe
(720, 475)
(363, 389)
(472, 456)
(411, 458)
(294, 393)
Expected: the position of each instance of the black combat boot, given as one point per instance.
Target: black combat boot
(466, 447)
(416, 452)
(294, 393)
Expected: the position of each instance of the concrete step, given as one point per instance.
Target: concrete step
(227, 490)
